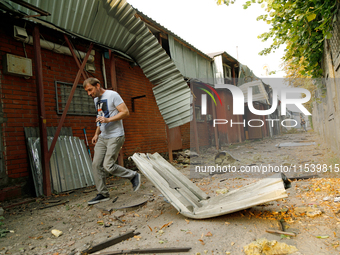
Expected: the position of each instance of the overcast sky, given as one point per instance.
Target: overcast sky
(211, 28)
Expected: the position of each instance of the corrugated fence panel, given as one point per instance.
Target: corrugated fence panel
(70, 164)
(112, 23)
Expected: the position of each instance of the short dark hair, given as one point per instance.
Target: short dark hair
(92, 81)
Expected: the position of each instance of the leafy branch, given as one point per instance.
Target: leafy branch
(301, 25)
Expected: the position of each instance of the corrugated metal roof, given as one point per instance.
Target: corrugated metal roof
(113, 23)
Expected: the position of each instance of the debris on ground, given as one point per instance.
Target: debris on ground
(224, 158)
(309, 211)
(56, 232)
(266, 247)
(161, 225)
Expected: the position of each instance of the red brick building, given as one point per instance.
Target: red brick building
(145, 128)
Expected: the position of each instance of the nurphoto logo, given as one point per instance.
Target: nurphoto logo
(238, 104)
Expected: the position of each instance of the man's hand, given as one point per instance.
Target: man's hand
(95, 139)
(102, 119)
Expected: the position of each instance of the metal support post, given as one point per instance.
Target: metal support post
(41, 111)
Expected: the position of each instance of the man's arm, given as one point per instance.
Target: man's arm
(96, 134)
(123, 112)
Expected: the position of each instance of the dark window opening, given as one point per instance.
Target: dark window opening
(165, 45)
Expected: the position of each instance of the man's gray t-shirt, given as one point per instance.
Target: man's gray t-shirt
(108, 103)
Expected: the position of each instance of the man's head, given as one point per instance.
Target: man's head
(92, 87)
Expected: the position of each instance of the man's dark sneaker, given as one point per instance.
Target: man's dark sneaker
(99, 198)
(136, 182)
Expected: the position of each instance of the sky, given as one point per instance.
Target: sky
(211, 28)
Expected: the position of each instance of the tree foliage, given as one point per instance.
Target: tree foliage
(294, 78)
(301, 25)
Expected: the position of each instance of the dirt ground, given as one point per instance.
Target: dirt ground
(310, 211)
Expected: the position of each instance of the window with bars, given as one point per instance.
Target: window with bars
(81, 103)
(334, 43)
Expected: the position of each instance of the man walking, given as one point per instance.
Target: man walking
(303, 123)
(108, 138)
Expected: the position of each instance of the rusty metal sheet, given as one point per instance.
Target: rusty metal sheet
(70, 164)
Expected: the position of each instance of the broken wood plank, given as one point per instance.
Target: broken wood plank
(129, 206)
(51, 201)
(118, 219)
(89, 190)
(280, 232)
(109, 243)
(303, 177)
(20, 203)
(144, 251)
(48, 206)
(115, 199)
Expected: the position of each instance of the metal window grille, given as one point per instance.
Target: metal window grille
(334, 42)
(81, 103)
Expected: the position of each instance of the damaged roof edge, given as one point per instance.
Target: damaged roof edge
(129, 35)
(167, 31)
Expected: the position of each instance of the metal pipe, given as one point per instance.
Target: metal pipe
(41, 111)
(55, 47)
(61, 122)
(104, 72)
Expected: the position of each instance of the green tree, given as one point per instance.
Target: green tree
(301, 25)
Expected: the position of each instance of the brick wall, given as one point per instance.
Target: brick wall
(145, 128)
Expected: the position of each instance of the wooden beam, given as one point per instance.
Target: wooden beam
(149, 250)
(109, 242)
(41, 111)
(194, 123)
(74, 55)
(113, 71)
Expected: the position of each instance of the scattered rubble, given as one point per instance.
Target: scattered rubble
(266, 247)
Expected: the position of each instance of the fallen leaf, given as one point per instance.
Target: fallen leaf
(137, 237)
(209, 234)
(150, 228)
(187, 221)
(35, 237)
(167, 225)
(232, 243)
(201, 241)
(161, 241)
(322, 237)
